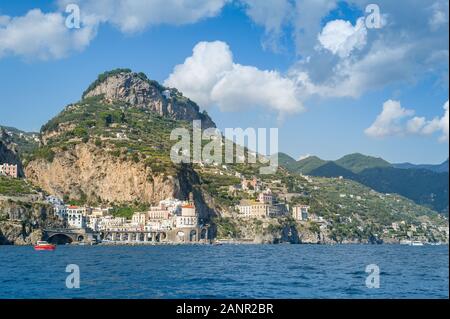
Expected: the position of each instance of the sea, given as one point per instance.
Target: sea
(225, 271)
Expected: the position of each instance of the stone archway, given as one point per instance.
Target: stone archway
(80, 238)
(204, 234)
(60, 239)
(193, 235)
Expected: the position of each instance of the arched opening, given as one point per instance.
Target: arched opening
(204, 233)
(163, 236)
(193, 235)
(80, 238)
(59, 239)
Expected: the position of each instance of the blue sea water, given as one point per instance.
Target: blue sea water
(228, 271)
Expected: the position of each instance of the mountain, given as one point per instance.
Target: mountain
(285, 160)
(424, 186)
(358, 162)
(137, 90)
(439, 168)
(331, 169)
(307, 165)
(113, 146)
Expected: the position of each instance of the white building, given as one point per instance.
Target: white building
(54, 200)
(76, 216)
(60, 211)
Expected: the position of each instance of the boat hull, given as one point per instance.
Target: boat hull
(45, 247)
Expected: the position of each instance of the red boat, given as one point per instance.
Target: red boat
(43, 245)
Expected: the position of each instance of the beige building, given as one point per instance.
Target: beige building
(300, 212)
(139, 219)
(254, 209)
(188, 218)
(266, 197)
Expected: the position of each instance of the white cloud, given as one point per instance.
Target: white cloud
(210, 77)
(388, 121)
(341, 37)
(439, 125)
(136, 15)
(393, 120)
(39, 35)
(273, 15)
(406, 47)
(439, 16)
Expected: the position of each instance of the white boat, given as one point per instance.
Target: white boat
(411, 242)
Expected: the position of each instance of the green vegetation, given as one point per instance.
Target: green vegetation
(14, 187)
(226, 228)
(358, 162)
(129, 210)
(424, 187)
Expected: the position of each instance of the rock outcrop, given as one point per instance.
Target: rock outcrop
(90, 172)
(8, 152)
(138, 91)
(22, 223)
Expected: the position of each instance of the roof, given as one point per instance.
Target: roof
(188, 206)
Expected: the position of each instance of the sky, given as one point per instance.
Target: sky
(335, 77)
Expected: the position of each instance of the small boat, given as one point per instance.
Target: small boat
(43, 245)
(416, 243)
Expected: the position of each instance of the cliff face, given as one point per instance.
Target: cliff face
(22, 223)
(8, 152)
(89, 171)
(140, 92)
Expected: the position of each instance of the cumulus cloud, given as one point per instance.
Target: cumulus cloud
(38, 35)
(341, 37)
(396, 120)
(439, 125)
(411, 43)
(211, 77)
(136, 15)
(388, 121)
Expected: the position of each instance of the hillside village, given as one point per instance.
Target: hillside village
(102, 165)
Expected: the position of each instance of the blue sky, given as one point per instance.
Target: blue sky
(314, 69)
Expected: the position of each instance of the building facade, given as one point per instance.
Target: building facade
(300, 212)
(9, 170)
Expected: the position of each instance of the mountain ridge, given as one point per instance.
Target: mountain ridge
(422, 185)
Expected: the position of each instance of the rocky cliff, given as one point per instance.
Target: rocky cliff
(137, 90)
(21, 223)
(88, 171)
(8, 151)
